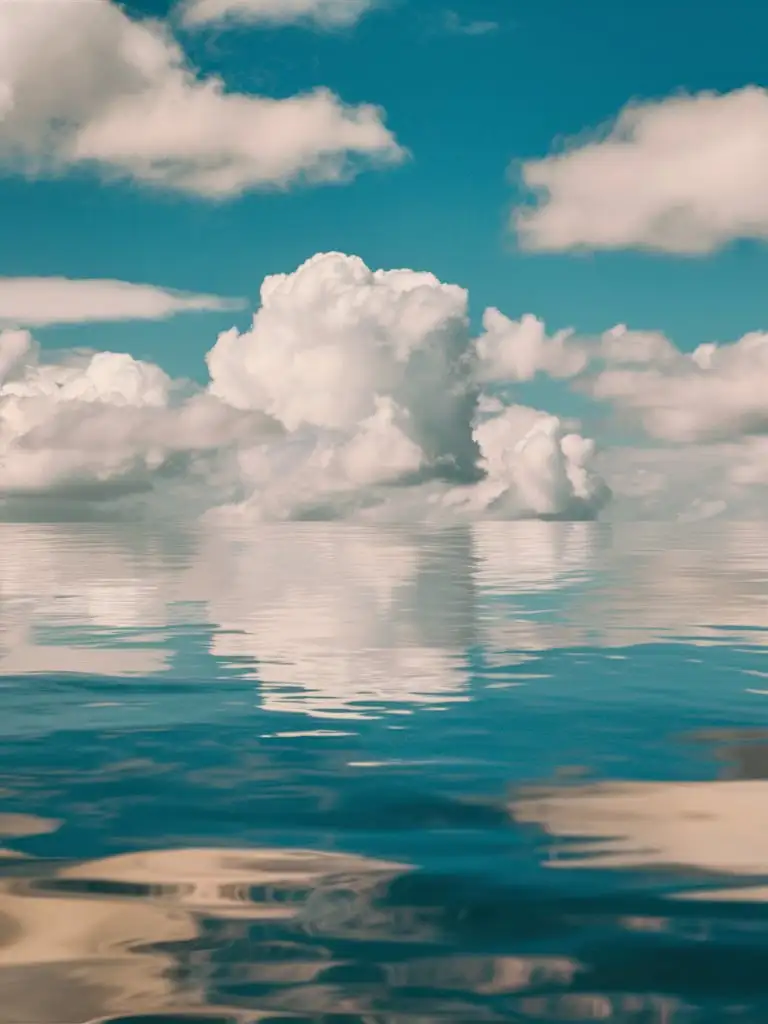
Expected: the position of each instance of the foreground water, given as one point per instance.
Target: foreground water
(512, 773)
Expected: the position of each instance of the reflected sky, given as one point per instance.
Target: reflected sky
(324, 617)
(513, 772)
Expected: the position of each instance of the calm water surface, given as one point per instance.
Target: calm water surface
(517, 772)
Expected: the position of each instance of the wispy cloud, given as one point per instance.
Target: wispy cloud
(326, 14)
(42, 301)
(456, 25)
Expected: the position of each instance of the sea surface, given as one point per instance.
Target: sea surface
(325, 773)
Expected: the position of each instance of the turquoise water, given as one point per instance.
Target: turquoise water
(517, 772)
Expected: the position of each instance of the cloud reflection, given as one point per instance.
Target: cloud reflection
(326, 622)
(344, 620)
(241, 932)
(118, 936)
(714, 830)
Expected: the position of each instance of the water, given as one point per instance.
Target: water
(517, 772)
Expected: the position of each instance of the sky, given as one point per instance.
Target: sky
(467, 106)
(434, 123)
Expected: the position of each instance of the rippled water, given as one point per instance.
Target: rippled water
(517, 772)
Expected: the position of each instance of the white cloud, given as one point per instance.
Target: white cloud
(626, 347)
(335, 346)
(716, 393)
(101, 425)
(372, 373)
(354, 393)
(328, 14)
(516, 350)
(534, 467)
(684, 175)
(81, 84)
(37, 301)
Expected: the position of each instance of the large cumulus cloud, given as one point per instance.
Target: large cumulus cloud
(375, 378)
(355, 392)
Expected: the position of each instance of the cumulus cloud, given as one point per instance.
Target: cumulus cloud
(516, 350)
(39, 301)
(374, 376)
(336, 347)
(704, 412)
(82, 84)
(354, 393)
(101, 425)
(683, 175)
(534, 467)
(327, 14)
(715, 393)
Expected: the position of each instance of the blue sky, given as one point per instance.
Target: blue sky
(466, 106)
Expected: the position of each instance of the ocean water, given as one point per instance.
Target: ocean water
(513, 772)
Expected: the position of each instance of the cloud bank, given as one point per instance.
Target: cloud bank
(363, 394)
(84, 85)
(42, 301)
(682, 175)
(354, 393)
(715, 393)
(327, 14)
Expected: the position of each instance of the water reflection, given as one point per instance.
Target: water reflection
(328, 617)
(713, 831)
(243, 934)
(262, 934)
(74, 599)
(185, 836)
(696, 583)
(326, 622)
(133, 933)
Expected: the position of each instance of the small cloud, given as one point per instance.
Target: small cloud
(42, 301)
(327, 14)
(455, 25)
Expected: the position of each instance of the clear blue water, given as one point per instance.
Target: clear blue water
(517, 772)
